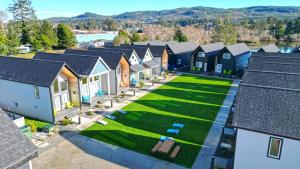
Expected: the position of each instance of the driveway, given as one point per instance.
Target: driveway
(79, 152)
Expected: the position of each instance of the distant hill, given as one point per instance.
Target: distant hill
(256, 12)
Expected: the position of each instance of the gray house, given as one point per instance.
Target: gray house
(204, 57)
(272, 48)
(16, 149)
(117, 62)
(39, 89)
(94, 74)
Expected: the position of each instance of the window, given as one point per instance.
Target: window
(274, 149)
(178, 61)
(36, 92)
(56, 87)
(96, 78)
(64, 86)
(91, 79)
(84, 81)
(201, 54)
(199, 64)
(226, 56)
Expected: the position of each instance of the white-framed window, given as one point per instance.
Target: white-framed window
(226, 56)
(178, 61)
(274, 149)
(199, 64)
(84, 81)
(36, 92)
(201, 54)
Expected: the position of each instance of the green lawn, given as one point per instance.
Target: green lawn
(39, 124)
(191, 100)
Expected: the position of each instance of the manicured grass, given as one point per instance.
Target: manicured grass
(191, 100)
(39, 124)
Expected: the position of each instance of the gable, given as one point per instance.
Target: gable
(99, 68)
(148, 56)
(134, 59)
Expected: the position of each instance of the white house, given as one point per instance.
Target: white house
(268, 123)
(38, 89)
(93, 71)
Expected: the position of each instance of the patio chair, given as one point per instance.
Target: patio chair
(178, 125)
(110, 117)
(85, 99)
(156, 147)
(100, 93)
(164, 138)
(173, 131)
(175, 152)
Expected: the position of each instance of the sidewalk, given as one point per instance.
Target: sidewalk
(203, 160)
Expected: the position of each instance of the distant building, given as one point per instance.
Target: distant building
(272, 48)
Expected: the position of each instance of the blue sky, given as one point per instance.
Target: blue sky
(51, 8)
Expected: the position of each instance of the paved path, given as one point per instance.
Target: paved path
(80, 152)
(203, 160)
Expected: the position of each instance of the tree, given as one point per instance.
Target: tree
(224, 32)
(66, 37)
(3, 17)
(13, 39)
(23, 12)
(179, 36)
(123, 37)
(3, 41)
(47, 35)
(136, 37)
(110, 25)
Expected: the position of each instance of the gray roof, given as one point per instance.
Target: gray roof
(256, 62)
(212, 47)
(151, 63)
(140, 50)
(272, 79)
(238, 49)
(155, 43)
(136, 68)
(112, 59)
(183, 47)
(282, 67)
(35, 72)
(127, 52)
(261, 54)
(15, 148)
(81, 65)
(272, 48)
(268, 110)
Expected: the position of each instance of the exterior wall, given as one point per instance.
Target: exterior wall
(19, 98)
(113, 82)
(227, 64)
(241, 61)
(164, 61)
(185, 60)
(252, 148)
(159, 60)
(134, 59)
(148, 56)
(99, 69)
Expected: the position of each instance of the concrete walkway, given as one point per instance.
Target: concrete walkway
(80, 152)
(203, 160)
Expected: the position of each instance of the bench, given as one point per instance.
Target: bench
(156, 147)
(175, 152)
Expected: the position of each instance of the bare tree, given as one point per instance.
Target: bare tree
(3, 18)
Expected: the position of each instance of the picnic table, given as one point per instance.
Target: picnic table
(166, 146)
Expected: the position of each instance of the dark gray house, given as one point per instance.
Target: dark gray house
(204, 57)
(272, 48)
(16, 150)
(233, 59)
(117, 62)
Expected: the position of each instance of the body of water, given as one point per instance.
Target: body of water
(91, 37)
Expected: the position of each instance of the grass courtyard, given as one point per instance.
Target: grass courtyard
(191, 100)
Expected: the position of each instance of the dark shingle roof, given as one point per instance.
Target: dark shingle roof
(112, 59)
(212, 47)
(268, 110)
(127, 52)
(81, 65)
(272, 79)
(282, 67)
(155, 43)
(140, 50)
(15, 148)
(157, 51)
(270, 54)
(257, 62)
(269, 48)
(35, 72)
(238, 49)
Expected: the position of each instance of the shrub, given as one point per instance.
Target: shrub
(141, 84)
(33, 126)
(66, 121)
(90, 113)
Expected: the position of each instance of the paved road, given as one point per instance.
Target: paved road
(203, 160)
(80, 152)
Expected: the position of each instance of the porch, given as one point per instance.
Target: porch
(67, 113)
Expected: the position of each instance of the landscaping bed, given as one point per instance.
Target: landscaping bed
(190, 100)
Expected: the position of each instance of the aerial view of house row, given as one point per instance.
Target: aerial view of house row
(140, 87)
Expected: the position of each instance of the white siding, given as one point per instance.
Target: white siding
(13, 93)
(148, 56)
(134, 59)
(252, 148)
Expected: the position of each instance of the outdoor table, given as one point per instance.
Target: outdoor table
(166, 146)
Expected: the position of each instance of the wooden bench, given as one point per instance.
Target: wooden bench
(156, 147)
(175, 152)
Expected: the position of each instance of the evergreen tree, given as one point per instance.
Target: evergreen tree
(24, 13)
(47, 35)
(136, 37)
(224, 32)
(13, 39)
(66, 37)
(179, 36)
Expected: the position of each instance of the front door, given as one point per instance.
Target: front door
(219, 68)
(94, 88)
(64, 99)
(57, 103)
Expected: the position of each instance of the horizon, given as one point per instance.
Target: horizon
(49, 9)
